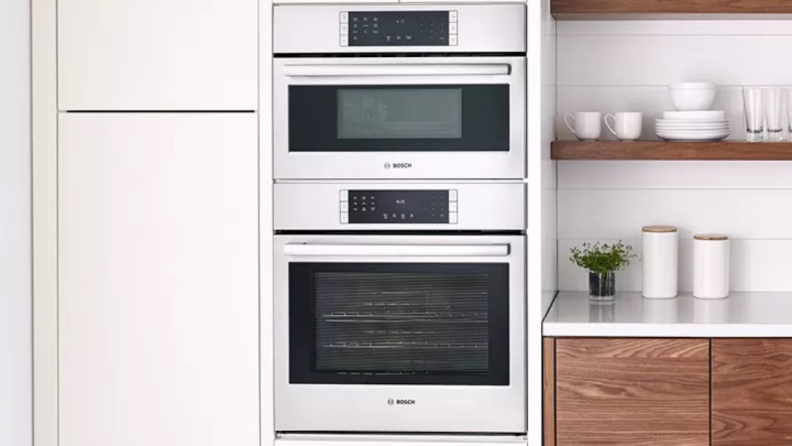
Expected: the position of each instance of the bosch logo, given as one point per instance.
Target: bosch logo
(391, 402)
(398, 165)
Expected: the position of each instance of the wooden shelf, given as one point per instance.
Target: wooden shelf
(660, 150)
(669, 9)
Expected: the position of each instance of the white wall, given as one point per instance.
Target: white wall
(15, 261)
(626, 66)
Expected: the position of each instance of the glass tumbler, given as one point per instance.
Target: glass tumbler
(788, 100)
(774, 113)
(754, 113)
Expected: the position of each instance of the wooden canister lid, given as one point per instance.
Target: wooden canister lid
(660, 229)
(711, 237)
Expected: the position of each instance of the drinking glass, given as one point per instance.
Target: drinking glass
(774, 113)
(754, 113)
(788, 96)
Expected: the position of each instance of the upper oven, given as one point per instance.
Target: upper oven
(400, 92)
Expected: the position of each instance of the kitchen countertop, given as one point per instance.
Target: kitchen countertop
(740, 315)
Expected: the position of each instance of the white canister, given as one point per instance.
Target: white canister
(710, 266)
(660, 261)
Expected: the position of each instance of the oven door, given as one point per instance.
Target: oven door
(400, 334)
(393, 117)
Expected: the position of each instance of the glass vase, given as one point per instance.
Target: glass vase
(602, 287)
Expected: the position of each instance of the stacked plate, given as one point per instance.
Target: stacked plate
(693, 126)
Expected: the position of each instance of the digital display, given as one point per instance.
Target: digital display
(399, 28)
(412, 206)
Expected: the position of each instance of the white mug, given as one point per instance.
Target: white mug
(626, 125)
(587, 125)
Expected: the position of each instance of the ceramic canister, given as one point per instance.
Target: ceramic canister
(710, 266)
(660, 261)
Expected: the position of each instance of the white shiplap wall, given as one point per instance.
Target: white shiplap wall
(625, 66)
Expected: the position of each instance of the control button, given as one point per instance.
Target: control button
(344, 17)
(384, 215)
(452, 206)
(452, 16)
(452, 195)
(344, 206)
(344, 195)
(452, 40)
(345, 28)
(344, 41)
(452, 218)
(452, 28)
(344, 218)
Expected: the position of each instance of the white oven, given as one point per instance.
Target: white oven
(400, 331)
(399, 91)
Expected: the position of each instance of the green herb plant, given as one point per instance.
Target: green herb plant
(602, 258)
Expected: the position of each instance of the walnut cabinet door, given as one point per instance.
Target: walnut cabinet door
(751, 392)
(632, 392)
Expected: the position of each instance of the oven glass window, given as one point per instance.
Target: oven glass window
(399, 323)
(400, 114)
(414, 118)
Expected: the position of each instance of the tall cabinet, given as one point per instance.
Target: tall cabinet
(157, 195)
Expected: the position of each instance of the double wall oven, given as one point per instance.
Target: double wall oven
(399, 216)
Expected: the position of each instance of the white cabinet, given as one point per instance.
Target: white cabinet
(158, 279)
(157, 54)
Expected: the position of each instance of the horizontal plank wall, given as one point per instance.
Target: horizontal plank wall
(626, 66)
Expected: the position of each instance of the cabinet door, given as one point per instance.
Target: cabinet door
(157, 54)
(751, 392)
(158, 280)
(632, 392)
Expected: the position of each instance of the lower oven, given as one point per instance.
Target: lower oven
(399, 331)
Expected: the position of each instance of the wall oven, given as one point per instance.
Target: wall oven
(400, 91)
(400, 331)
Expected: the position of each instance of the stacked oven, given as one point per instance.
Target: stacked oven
(400, 214)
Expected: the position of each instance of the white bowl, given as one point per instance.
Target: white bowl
(692, 96)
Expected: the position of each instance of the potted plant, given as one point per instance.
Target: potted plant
(602, 260)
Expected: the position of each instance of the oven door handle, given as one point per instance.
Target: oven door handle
(323, 250)
(373, 70)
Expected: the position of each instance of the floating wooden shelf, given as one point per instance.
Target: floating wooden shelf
(660, 150)
(668, 9)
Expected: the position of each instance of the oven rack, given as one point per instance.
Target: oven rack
(403, 345)
(408, 314)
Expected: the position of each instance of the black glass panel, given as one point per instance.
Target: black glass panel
(414, 118)
(399, 323)
(398, 28)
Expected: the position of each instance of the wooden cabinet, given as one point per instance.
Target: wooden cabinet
(157, 55)
(158, 289)
(751, 392)
(632, 392)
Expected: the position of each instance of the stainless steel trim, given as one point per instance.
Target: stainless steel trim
(346, 250)
(398, 440)
(317, 206)
(480, 28)
(374, 70)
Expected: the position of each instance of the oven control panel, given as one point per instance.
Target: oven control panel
(398, 28)
(399, 206)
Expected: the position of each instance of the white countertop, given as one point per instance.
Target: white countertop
(754, 315)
